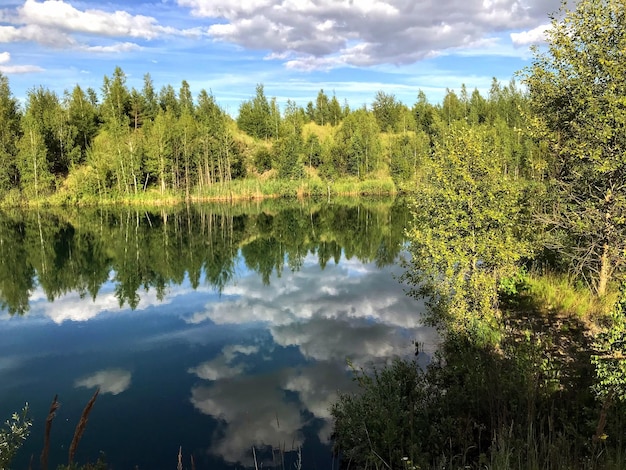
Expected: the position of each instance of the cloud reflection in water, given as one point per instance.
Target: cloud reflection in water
(348, 311)
(113, 381)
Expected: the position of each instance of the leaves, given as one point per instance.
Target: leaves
(576, 91)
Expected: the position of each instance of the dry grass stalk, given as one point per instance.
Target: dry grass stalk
(193, 463)
(180, 458)
(80, 427)
(256, 465)
(43, 460)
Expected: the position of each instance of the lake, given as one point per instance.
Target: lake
(217, 329)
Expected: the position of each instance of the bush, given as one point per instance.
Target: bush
(13, 435)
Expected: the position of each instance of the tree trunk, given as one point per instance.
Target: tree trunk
(603, 278)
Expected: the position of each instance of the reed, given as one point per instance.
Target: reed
(54, 406)
(80, 427)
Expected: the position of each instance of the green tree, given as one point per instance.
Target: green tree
(322, 113)
(387, 111)
(335, 112)
(35, 176)
(9, 135)
(407, 153)
(255, 116)
(168, 100)
(358, 150)
(452, 108)
(84, 117)
(159, 149)
(577, 90)
(115, 112)
(149, 98)
(465, 234)
(289, 147)
(424, 113)
(477, 108)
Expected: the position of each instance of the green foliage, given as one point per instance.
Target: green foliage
(12, 436)
(610, 358)
(387, 111)
(35, 176)
(255, 116)
(408, 154)
(9, 135)
(263, 160)
(576, 93)
(357, 150)
(466, 232)
(385, 423)
(138, 145)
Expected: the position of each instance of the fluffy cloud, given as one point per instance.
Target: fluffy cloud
(113, 381)
(534, 36)
(254, 412)
(350, 289)
(254, 409)
(60, 15)
(74, 307)
(117, 47)
(310, 34)
(55, 23)
(358, 340)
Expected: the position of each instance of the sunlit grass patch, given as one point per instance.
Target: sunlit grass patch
(562, 295)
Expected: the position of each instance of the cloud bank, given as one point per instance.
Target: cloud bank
(323, 34)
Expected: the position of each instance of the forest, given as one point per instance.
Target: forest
(88, 148)
(517, 232)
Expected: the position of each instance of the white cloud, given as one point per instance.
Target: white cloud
(73, 307)
(253, 411)
(222, 366)
(117, 47)
(36, 33)
(347, 290)
(326, 34)
(19, 69)
(113, 381)
(5, 58)
(55, 23)
(534, 36)
(61, 15)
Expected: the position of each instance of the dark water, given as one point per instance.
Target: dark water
(214, 328)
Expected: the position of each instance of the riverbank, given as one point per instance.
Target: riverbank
(237, 190)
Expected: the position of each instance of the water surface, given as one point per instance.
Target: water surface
(215, 328)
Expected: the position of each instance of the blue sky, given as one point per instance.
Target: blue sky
(293, 47)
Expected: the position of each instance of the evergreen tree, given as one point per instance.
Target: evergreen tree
(9, 136)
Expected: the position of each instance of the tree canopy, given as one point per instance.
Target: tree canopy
(577, 95)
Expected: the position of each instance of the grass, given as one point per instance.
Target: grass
(262, 187)
(562, 295)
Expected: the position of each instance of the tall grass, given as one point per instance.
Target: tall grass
(262, 187)
(561, 294)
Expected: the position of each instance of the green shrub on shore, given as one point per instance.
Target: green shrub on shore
(12, 436)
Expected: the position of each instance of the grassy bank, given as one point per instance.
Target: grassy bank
(237, 190)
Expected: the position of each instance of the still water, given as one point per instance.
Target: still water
(217, 329)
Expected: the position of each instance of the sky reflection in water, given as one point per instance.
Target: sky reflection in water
(258, 365)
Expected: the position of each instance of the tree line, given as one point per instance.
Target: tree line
(87, 147)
